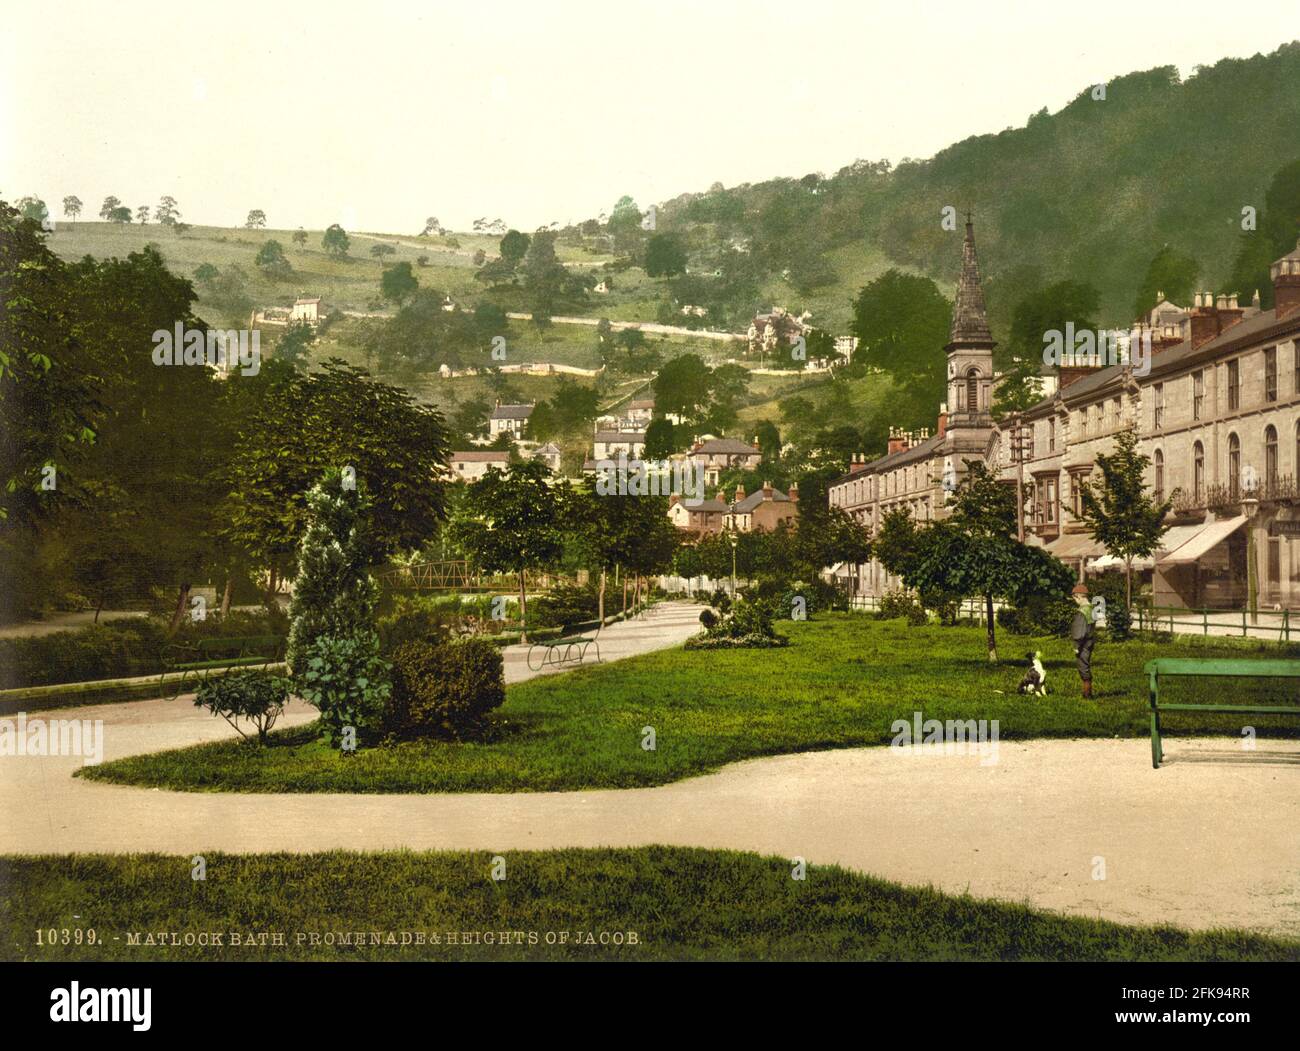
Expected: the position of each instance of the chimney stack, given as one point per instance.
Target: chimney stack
(897, 440)
(1212, 316)
(794, 492)
(767, 490)
(740, 492)
(1286, 284)
(941, 425)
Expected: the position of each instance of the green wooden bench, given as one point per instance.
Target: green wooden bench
(566, 648)
(1173, 667)
(197, 662)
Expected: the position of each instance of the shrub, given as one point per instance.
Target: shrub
(1119, 618)
(818, 596)
(347, 681)
(740, 642)
(895, 604)
(748, 626)
(255, 696)
(419, 619)
(1038, 615)
(708, 619)
(564, 604)
(751, 617)
(447, 690)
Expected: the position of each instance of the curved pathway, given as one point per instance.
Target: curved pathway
(1212, 839)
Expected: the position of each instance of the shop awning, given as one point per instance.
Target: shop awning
(1176, 536)
(1207, 536)
(1100, 565)
(1075, 545)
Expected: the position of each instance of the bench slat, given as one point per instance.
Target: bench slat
(1188, 666)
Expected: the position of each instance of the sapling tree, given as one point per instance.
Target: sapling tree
(511, 522)
(1119, 512)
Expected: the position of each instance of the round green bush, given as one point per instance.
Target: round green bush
(445, 690)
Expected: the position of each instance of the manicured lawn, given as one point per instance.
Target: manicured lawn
(679, 904)
(842, 682)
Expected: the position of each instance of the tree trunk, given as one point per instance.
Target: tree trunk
(523, 610)
(625, 596)
(226, 596)
(602, 596)
(993, 642)
(1128, 582)
(182, 600)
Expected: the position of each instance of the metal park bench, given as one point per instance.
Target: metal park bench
(566, 648)
(1170, 667)
(195, 663)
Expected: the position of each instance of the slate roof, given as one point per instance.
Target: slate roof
(756, 497)
(511, 412)
(726, 446)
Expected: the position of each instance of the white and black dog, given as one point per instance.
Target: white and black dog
(1035, 680)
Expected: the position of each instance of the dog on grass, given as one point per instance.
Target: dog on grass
(1035, 680)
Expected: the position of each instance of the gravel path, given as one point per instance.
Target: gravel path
(1212, 839)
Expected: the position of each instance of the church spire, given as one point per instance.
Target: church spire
(970, 323)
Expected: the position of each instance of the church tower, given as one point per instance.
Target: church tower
(970, 347)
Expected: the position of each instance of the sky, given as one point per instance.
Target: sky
(378, 115)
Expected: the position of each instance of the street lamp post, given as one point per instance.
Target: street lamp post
(1249, 507)
(734, 542)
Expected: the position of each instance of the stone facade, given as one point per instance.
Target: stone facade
(1218, 414)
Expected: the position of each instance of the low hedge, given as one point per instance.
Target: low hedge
(116, 650)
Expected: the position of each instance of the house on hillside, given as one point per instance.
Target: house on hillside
(308, 310)
(509, 419)
(549, 454)
(763, 509)
(471, 465)
(610, 445)
(716, 455)
(697, 516)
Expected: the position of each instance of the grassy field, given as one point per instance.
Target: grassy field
(858, 398)
(347, 283)
(842, 682)
(678, 904)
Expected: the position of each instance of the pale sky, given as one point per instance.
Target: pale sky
(381, 113)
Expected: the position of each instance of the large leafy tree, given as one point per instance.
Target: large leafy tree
(338, 417)
(664, 256)
(49, 380)
(511, 522)
(902, 321)
(335, 240)
(154, 468)
(1119, 511)
(273, 262)
(398, 283)
(683, 387)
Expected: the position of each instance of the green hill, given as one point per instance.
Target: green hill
(1089, 193)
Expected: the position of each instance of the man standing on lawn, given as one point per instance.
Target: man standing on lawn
(1084, 636)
